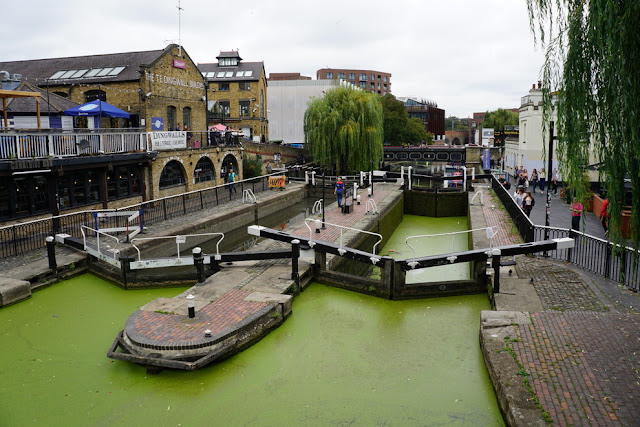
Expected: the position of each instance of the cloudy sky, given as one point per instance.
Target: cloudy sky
(466, 55)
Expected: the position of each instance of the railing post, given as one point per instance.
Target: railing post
(570, 250)
(184, 204)
(164, 208)
(201, 200)
(607, 267)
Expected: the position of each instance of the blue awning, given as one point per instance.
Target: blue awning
(97, 108)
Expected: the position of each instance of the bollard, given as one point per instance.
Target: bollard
(51, 252)
(295, 255)
(198, 261)
(191, 305)
(318, 225)
(495, 263)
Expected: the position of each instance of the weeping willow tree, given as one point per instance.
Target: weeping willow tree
(592, 50)
(345, 129)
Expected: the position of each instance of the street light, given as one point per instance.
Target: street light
(549, 169)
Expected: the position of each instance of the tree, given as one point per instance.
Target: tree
(591, 62)
(344, 128)
(500, 118)
(399, 129)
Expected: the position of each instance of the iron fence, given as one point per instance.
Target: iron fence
(599, 256)
(18, 239)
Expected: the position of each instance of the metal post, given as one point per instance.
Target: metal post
(198, 261)
(371, 193)
(549, 172)
(191, 306)
(324, 170)
(295, 256)
(51, 253)
(495, 263)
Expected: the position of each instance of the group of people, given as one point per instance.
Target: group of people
(524, 199)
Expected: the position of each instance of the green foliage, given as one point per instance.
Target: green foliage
(251, 167)
(592, 61)
(499, 118)
(399, 129)
(344, 128)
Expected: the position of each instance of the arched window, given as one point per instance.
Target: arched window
(203, 171)
(171, 118)
(172, 175)
(92, 95)
(186, 117)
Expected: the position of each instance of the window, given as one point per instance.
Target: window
(363, 85)
(203, 171)
(123, 182)
(4, 197)
(379, 86)
(116, 71)
(244, 85)
(31, 195)
(57, 75)
(228, 62)
(373, 77)
(363, 76)
(93, 72)
(373, 85)
(353, 83)
(171, 117)
(228, 74)
(225, 108)
(223, 86)
(341, 75)
(329, 75)
(92, 95)
(78, 74)
(186, 116)
(379, 77)
(67, 74)
(352, 76)
(244, 108)
(384, 78)
(172, 175)
(239, 73)
(104, 71)
(248, 73)
(220, 74)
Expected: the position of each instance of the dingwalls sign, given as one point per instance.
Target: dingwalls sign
(168, 140)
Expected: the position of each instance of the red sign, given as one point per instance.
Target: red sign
(179, 64)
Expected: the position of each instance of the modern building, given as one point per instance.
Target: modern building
(369, 80)
(158, 88)
(288, 101)
(238, 94)
(428, 113)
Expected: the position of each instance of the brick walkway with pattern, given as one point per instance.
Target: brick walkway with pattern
(497, 216)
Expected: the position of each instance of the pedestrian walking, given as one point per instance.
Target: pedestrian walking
(519, 195)
(534, 180)
(604, 215)
(543, 179)
(555, 178)
(528, 202)
(339, 190)
(268, 168)
(231, 179)
(576, 209)
(525, 175)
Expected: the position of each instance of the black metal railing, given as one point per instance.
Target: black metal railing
(18, 239)
(599, 256)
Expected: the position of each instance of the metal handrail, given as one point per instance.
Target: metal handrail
(217, 256)
(342, 227)
(490, 235)
(98, 233)
(247, 195)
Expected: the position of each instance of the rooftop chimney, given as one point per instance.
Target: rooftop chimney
(539, 84)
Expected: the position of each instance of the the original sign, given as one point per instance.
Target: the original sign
(179, 64)
(277, 181)
(168, 140)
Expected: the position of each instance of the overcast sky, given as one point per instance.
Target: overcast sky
(466, 55)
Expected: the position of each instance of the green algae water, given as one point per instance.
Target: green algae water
(341, 358)
(413, 225)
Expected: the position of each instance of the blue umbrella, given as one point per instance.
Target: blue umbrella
(97, 108)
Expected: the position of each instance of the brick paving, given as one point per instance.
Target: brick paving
(583, 366)
(497, 216)
(172, 330)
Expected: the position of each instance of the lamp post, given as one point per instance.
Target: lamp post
(549, 172)
(323, 174)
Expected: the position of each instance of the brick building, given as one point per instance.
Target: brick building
(52, 173)
(238, 91)
(369, 80)
(287, 76)
(161, 87)
(429, 114)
